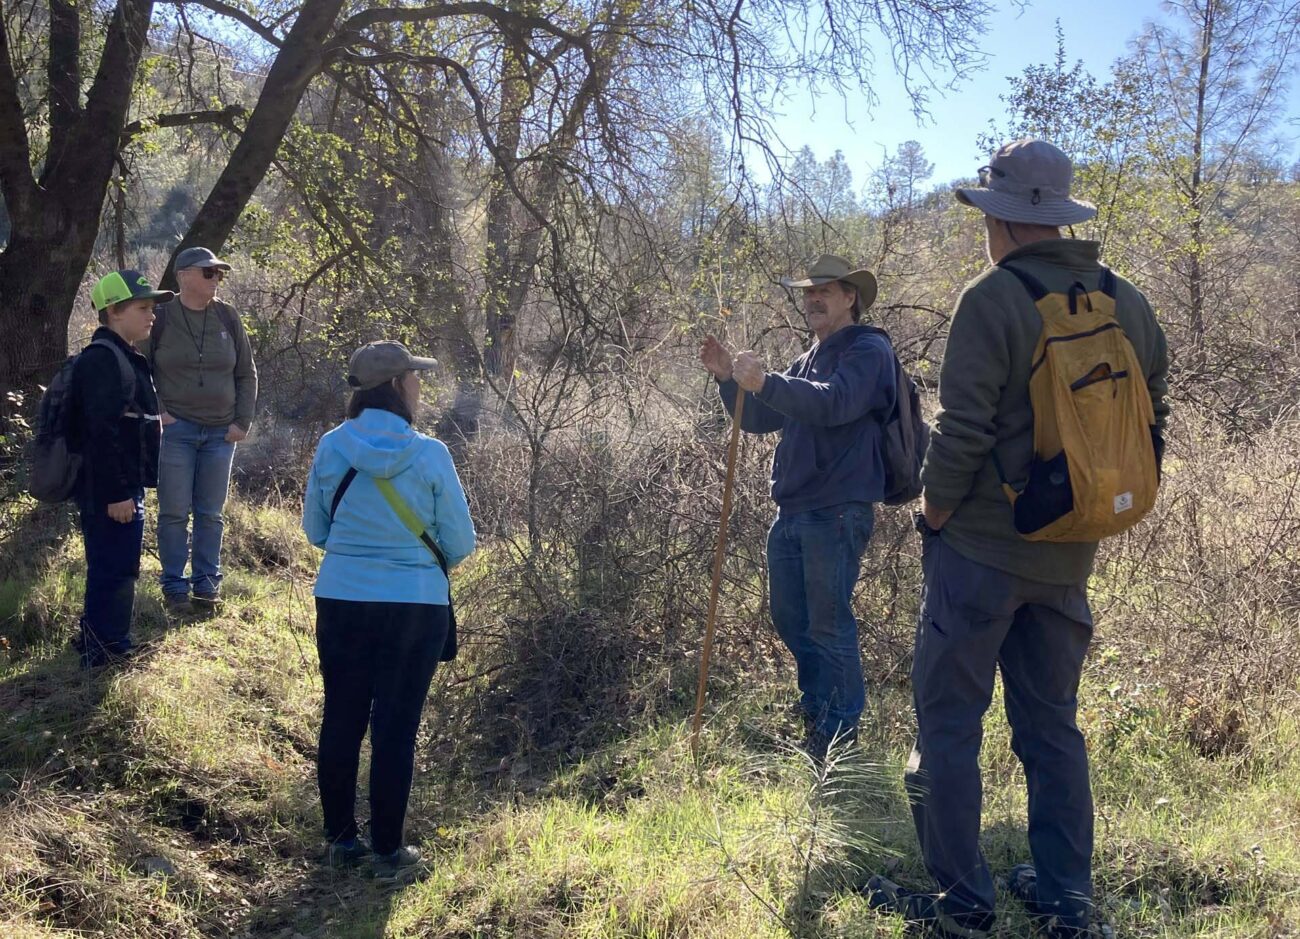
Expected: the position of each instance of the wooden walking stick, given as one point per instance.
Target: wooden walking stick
(719, 553)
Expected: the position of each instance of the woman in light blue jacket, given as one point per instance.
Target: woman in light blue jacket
(385, 503)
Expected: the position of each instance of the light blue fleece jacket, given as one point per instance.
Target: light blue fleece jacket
(369, 553)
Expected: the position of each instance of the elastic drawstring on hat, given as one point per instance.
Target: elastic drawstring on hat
(1037, 197)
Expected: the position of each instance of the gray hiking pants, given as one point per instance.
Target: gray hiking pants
(973, 620)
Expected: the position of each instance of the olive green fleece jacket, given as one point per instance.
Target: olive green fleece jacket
(984, 403)
(215, 389)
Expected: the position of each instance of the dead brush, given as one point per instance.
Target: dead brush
(551, 688)
(1201, 599)
(573, 636)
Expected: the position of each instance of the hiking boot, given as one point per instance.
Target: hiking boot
(922, 911)
(207, 602)
(817, 744)
(401, 863)
(346, 853)
(178, 604)
(103, 658)
(1022, 883)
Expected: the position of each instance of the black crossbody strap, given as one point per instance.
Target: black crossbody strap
(424, 536)
(346, 481)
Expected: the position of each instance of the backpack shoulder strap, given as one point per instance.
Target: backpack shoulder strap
(227, 316)
(125, 370)
(1109, 282)
(160, 311)
(877, 331)
(1031, 283)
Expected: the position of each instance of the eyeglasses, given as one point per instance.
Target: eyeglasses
(988, 172)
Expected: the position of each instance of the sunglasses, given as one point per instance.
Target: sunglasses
(211, 273)
(990, 172)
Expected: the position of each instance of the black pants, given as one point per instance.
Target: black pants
(377, 660)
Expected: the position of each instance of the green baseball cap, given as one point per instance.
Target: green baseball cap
(121, 286)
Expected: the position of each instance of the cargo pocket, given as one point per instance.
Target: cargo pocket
(963, 597)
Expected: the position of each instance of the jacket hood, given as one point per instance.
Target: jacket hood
(378, 443)
(841, 339)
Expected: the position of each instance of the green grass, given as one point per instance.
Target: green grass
(201, 753)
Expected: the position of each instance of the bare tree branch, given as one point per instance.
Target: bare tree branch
(254, 25)
(224, 117)
(506, 20)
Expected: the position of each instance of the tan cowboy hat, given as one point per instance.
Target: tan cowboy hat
(1028, 181)
(829, 267)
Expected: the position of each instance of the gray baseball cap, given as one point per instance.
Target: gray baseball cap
(378, 362)
(199, 257)
(1028, 181)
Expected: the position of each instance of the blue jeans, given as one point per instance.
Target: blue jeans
(813, 560)
(112, 568)
(974, 622)
(193, 477)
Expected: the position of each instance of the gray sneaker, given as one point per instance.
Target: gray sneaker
(404, 862)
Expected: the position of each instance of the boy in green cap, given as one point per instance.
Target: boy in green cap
(113, 424)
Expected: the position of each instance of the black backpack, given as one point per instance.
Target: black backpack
(52, 466)
(904, 437)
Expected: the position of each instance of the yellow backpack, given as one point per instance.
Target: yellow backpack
(1094, 468)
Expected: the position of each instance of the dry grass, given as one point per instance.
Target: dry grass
(554, 789)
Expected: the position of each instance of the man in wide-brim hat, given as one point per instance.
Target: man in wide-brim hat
(993, 600)
(827, 472)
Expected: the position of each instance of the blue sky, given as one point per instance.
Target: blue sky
(1097, 31)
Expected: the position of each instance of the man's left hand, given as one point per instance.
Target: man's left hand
(748, 371)
(235, 433)
(935, 518)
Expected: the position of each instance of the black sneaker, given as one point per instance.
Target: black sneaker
(922, 911)
(402, 863)
(178, 604)
(1022, 883)
(346, 853)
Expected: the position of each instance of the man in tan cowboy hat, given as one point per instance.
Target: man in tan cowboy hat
(992, 599)
(826, 473)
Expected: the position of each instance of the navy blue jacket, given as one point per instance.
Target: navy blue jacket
(828, 406)
(120, 450)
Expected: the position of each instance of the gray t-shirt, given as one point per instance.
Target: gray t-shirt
(203, 372)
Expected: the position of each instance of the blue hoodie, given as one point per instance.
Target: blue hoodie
(369, 554)
(828, 406)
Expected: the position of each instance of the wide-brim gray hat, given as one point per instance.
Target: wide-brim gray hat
(830, 267)
(379, 362)
(1028, 181)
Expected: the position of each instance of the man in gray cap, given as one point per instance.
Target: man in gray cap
(992, 599)
(827, 471)
(207, 384)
